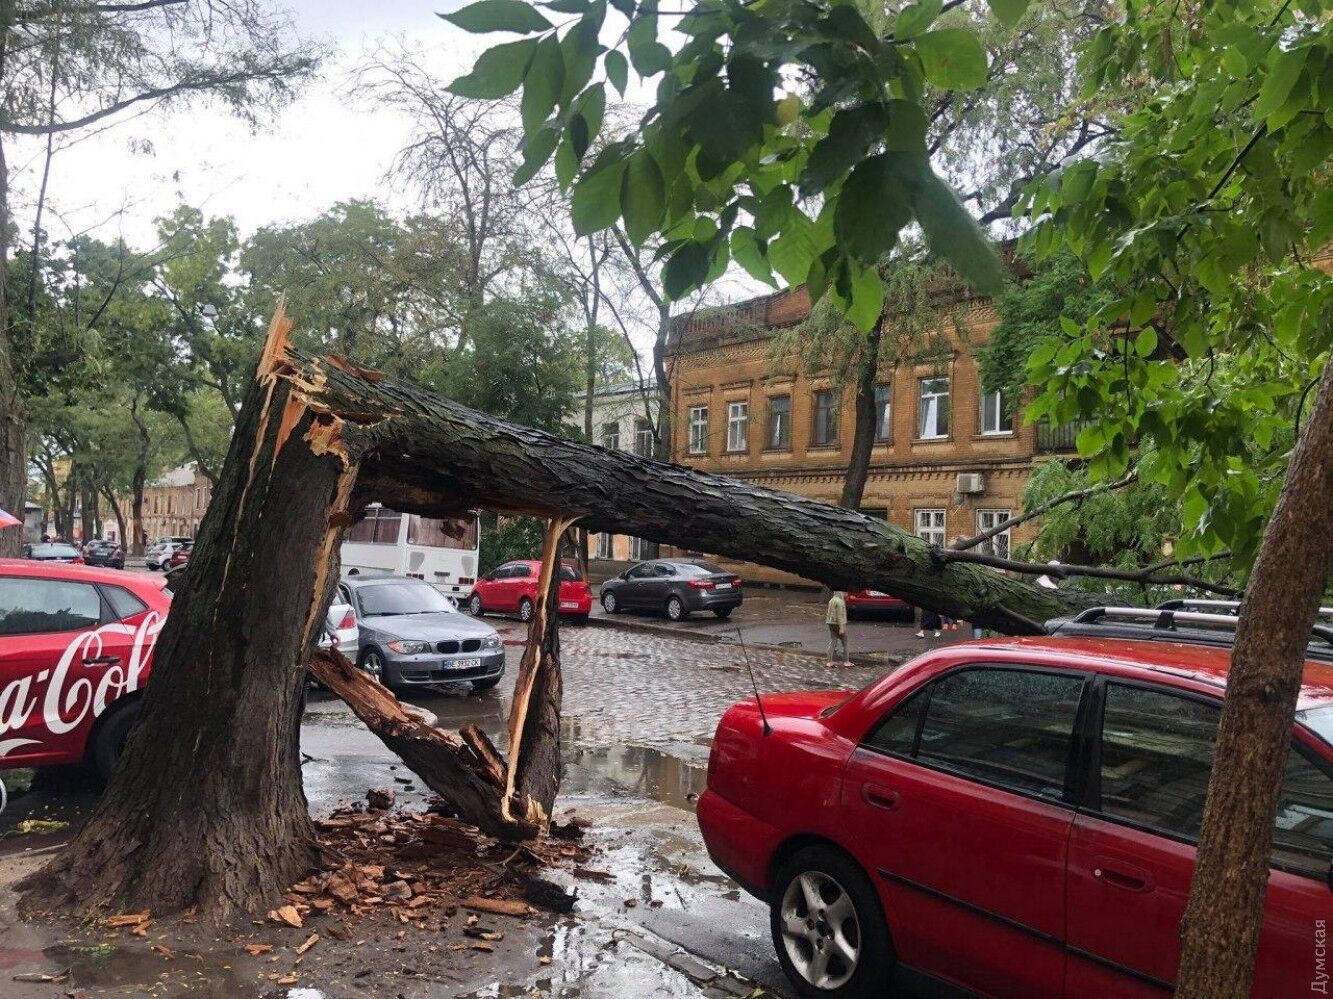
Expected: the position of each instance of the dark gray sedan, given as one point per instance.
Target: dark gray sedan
(411, 635)
(674, 587)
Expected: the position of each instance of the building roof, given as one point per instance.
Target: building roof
(620, 389)
(183, 476)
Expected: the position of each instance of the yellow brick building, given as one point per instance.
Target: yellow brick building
(946, 461)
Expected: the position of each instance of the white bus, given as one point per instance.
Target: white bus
(442, 552)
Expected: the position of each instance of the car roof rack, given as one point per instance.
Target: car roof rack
(1178, 621)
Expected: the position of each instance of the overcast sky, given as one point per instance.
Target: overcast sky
(321, 149)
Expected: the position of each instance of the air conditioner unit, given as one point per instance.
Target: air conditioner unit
(971, 483)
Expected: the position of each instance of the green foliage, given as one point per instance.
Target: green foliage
(814, 186)
(1204, 219)
(504, 539)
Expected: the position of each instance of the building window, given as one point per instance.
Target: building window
(779, 422)
(640, 549)
(993, 419)
(998, 545)
(643, 438)
(611, 436)
(826, 418)
(883, 413)
(933, 423)
(604, 542)
(738, 426)
(379, 527)
(698, 430)
(930, 527)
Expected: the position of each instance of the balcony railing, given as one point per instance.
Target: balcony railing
(1054, 439)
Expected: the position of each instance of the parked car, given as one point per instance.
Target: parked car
(104, 553)
(410, 635)
(340, 628)
(76, 648)
(54, 551)
(157, 554)
(675, 587)
(180, 555)
(1013, 817)
(512, 589)
(874, 603)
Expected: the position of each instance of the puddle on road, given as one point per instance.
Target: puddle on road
(110, 968)
(639, 770)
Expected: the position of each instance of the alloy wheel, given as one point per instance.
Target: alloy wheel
(609, 602)
(374, 665)
(474, 606)
(525, 610)
(820, 930)
(675, 609)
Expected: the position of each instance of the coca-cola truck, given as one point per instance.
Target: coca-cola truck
(76, 646)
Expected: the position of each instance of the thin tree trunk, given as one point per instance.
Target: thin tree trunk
(138, 480)
(1220, 929)
(119, 514)
(863, 435)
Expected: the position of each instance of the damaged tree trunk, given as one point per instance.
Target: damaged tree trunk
(207, 807)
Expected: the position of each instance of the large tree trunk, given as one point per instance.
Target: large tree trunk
(863, 433)
(1220, 931)
(207, 806)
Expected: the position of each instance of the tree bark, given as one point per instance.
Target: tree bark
(863, 434)
(138, 480)
(119, 514)
(1220, 929)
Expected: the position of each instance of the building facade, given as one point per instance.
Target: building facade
(947, 461)
(174, 503)
(624, 418)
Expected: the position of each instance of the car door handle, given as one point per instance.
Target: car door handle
(881, 797)
(1123, 876)
(101, 660)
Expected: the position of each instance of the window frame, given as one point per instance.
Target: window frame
(774, 441)
(1077, 765)
(106, 614)
(1091, 801)
(835, 405)
(742, 421)
(1000, 429)
(643, 438)
(947, 409)
(691, 423)
(943, 528)
(884, 413)
(609, 436)
(987, 547)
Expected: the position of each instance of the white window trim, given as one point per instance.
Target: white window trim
(776, 420)
(1000, 429)
(888, 415)
(922, 397)
(987, 547)
(738, 427)
(698, 419)
(926, 529)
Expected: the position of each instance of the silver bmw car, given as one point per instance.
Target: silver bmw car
(411, 635)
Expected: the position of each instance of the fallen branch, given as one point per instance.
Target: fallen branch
(1148, 575)
(1075, 496)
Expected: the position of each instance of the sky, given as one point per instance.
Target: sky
(323, 148)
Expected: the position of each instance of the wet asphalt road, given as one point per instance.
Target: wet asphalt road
(639, 712)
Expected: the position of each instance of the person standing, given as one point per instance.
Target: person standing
(836, 619)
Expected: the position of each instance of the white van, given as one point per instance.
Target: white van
(441, 552)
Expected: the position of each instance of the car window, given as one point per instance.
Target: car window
(640, 571)
(1006, 726)
(897, 732)
(701, 569)
(664, 569)
(123, 603)
(405, 597)
(1157, 754)
(521, 571)
(569, 574)
(35, 606)
(54, 551)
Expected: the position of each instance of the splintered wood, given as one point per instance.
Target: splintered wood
(411, 866)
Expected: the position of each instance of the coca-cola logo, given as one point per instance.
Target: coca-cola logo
(72, 695)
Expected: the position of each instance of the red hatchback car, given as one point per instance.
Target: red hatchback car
(868, 602)
(1014, 817)
(76, 647)
(512, 589)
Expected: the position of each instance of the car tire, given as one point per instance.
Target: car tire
(474, 606)
(372, 662)
(478, 686)
(676, 609)
(109, 740)
(525, 610)
(833, 876)
(723, 612)
(610, 604)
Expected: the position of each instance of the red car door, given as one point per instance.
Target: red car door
(1131, 856)
(501, 594)
(959, 804)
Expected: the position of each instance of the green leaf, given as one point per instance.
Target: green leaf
(536, 151)
(867, 299)
(726, 127)
(567, 6)
(1008, 12)
(850, 134)
(498, 15)
(747, 251)
(498, 72)
(541, 85)
(906, 131)
(591, 108)
(566, 164)
(952, 58)
(596, 202)
(617, 70)
(579, 50)
(1282, 76)
(952, 233)
(648, 55)
(1146, 342)
(873, 206)
(916, 18)
(794, 250)
(642, 197)
(686, 270)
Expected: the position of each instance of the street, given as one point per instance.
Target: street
(639, 710)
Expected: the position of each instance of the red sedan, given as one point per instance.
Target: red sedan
(512, 589)
(1015, 817)
(864, 603)
(180, 556)
(76, 647)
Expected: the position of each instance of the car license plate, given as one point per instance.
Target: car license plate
(466, 664)
(569, 605)
(876, 593)
(724, 586)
